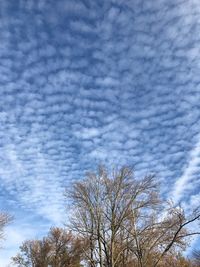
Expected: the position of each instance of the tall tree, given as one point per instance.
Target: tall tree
(125, 220)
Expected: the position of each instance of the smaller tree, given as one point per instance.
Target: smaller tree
(59, 249)
(33, 253)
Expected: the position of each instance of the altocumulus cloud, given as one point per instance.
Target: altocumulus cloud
(86, 81)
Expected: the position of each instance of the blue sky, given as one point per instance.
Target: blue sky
(84, 82)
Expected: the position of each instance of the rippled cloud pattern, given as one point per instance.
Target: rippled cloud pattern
(86, 82)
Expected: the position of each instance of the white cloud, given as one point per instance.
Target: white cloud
(191, 169)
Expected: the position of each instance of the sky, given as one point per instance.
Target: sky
(84, 82)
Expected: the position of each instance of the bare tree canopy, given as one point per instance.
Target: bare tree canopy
(116, 220)
(59, 249)
(125, 221)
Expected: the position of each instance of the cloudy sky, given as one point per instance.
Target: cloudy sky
(90, 81)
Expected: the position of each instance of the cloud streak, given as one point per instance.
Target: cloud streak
(189, 180)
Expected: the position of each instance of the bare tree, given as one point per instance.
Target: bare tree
(33, 253)
(125, 221)
(59, 249)
(102, 205)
